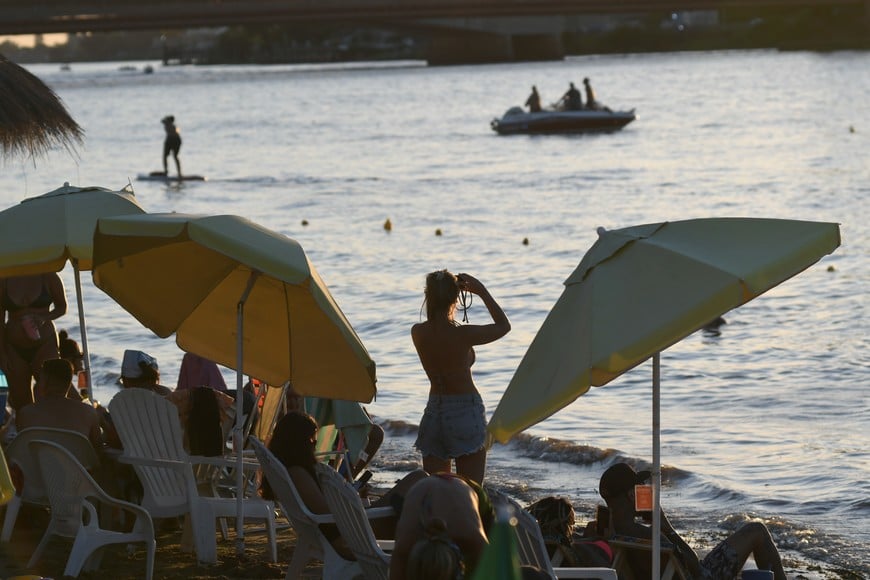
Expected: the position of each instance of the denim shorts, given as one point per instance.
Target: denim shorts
(452, 426)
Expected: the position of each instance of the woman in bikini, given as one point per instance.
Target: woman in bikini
(454, 421)
(29, 305)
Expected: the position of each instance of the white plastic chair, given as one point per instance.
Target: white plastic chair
(19, 454)
(150, 432)
(533, 549)
(71, 492)
(352, 519)
(310, 543)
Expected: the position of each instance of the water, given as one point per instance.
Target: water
(768, 419)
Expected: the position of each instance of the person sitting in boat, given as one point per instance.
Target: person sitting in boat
(572, 100)
(534, 101)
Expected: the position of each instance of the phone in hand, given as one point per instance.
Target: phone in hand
(362, 480)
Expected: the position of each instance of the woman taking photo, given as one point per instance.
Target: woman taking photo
(454, 422)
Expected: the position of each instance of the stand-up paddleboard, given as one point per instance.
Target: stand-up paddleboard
(160, 176)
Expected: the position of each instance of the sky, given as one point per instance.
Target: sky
(28, 40)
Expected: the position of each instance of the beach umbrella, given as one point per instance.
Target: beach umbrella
(41, 234)
(32, 117)
(638, 291)
(346, 417)
(236, 293)
(501, 557)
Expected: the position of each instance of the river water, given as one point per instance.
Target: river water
(766, 419)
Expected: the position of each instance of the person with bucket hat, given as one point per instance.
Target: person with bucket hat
(724, 562)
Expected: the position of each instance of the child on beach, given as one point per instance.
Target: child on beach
(454, 421)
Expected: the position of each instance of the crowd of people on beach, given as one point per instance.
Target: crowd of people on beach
(443, 513)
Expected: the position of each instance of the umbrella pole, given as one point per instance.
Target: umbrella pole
(238, 441)
(86, 354)
(657, 470)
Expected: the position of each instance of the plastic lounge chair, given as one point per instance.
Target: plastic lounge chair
(150, 432)
(621, 545)
(33, 491)
(532, 548)
(310, 543)
(352, 519)
(72, 493)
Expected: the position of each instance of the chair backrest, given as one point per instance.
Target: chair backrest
(297, 512)
(149, 428)
(623, 547)
(67, 485)
(530, 542)
(273, 406)
(19, 454)
(353, 524)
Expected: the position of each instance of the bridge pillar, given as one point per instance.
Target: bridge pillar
(539, 47)
(459, 47)
(477, 47)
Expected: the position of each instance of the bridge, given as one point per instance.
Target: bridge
(53, 16)
(472, 30)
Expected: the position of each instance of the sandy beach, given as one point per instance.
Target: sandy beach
(170, 562)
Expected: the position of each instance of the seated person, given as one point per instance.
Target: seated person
(139, 370)
(207, 417)
(293, 444)
(442, 528)
(724, 562)
(197, 371)
(53, 408)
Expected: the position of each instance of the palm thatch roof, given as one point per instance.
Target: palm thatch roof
(32, 117)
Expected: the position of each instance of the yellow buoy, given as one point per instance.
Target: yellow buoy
(388, 225)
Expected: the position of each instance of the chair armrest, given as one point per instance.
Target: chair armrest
(380, 512)
(387, 545)
(154, 462)
(600, 573)
(225, 461)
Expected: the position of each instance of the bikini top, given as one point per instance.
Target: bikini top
(44, 300)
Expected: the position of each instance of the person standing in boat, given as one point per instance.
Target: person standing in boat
(591, 102)
(572, 100)
(534, 101)
(172, 143)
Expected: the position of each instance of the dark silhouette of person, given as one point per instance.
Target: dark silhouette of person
(591, 102)
(172, 143)
(724, 562)
(534, 101)
(572, 99)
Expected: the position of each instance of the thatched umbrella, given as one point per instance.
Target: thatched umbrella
(32, 117)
